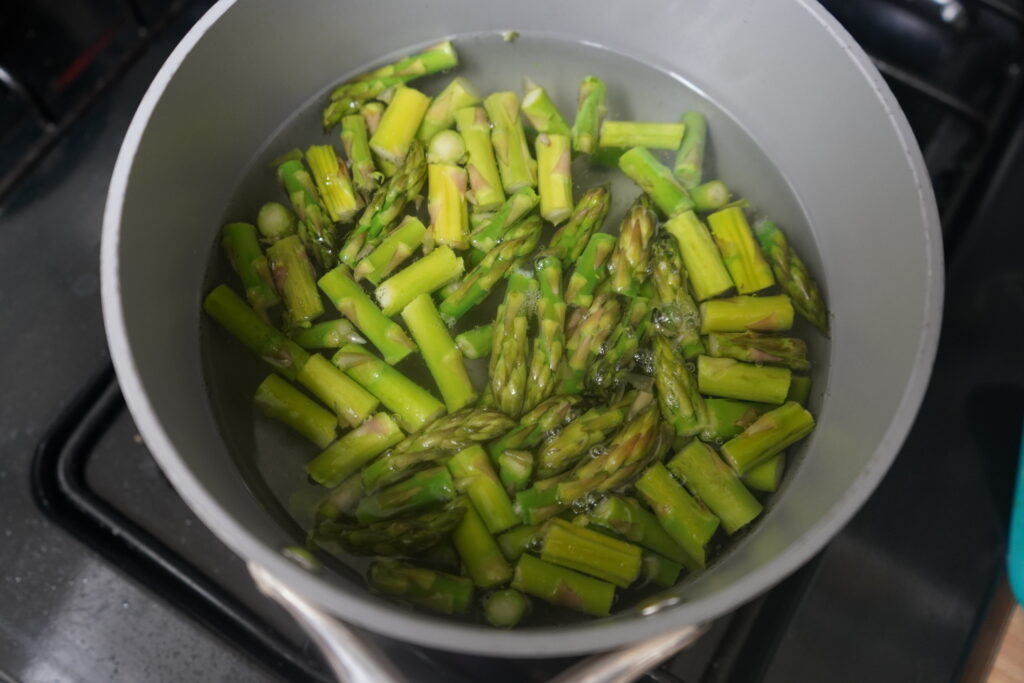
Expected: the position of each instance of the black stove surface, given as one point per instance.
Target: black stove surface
(106, 575)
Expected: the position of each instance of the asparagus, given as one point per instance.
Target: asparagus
(441, 114)
(608, 373)
(585, 340)
(516, 167)
(283, 402)
(243, 250)
(541, 112)
(275, 221)
(769, 435)
(397, 130)
(792, 275)
(478, 283)
(641, 134)
(687, 521)
(478, 219)
(703, 472)
(549, 343)
(741, 313)
(659, 570)
(517, 541)
(446, 202)
(590, 111)
(730, 378)
(727, 418)
(341, 501)
(633, 522)
(563, 450)
(443, 358)
(435, 591)
(554, 176)
(372, 112)
(677, 317)
(753, 347)
(690, 157)
(766, 476)
(536, 505)
(447, 147)
(508, 362)
(486, 191)
(346, 455)
(656, 180)
(680, 402)
(704, 266)
(442, 555)
(518, 204)
(388, 538)
(357, 148)
(505, 608)
(563, 587)
(412, 404)
(330, 334)
(710, 196)
(316, 231)
(353, 303)
(333, 183)
(627, 266)
(599, 555)
(428, 274)
(392, 251)
(515, 469)
(743, 259)
(590, 270)
(235, 316)
(387, 205)
(570, 240)
(475, 477)
(540, 423)
(799, 389)
(476, 343)
(479, 552)
(294, 277)
(428, 487)
(349, 401)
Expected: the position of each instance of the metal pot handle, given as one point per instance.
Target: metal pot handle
(354, 660)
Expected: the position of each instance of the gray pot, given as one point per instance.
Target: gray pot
(787, 84)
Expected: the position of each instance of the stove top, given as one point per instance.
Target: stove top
(106, 575)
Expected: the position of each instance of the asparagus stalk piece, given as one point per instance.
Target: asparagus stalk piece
(447, 147)
(316, 231)
(766, 476)
(397, 129)
(518, 204)
(295, 279)
(235, 316)
(659, 570)
(476, 343)
(446, 201)
(590, 270)
(372, 113)
(730, 378)
(727, 418)
(330, 334)
(543, 421)
(689, 162)
(505, 608)
(710, 196)
(590, 111)
(641, 134)
(349, 401)
(599, 555)
(475, 477)
(687, 521)
(357, 148)
(633, 522)
(413, 535)
(656, 180)
(741, 313)
(516, 166)
(353, 303)
(549, 343)
(704, 265)
(554, 176)
(346, 455)
(707, 477)
(677, 317)
(563, 587)
(283, 402)
(428, 274)
(424, 488)
(799, 389)
(541, 112)
(441, 113)
(341, 501)
(478, 219)
(508, 363)
(515, 542)
(333, 183)
(753, 347)
(585, 340)
(426, 588)
(570, 240)
(413, 405)
(392, 251)
(627, 266)
(486, 192)
(769, 435)
(680, 401)
(793, 275)
(746, 265)
(480, 552)
(608, 373)
(275, 221)
(536, 505)
(443, 358)
(515, 469)
(562, 451)
(243, 250)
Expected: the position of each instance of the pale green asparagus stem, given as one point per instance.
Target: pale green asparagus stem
(769, 435)
(554, 173)
(294, 277)
(475, 477)
(740, 313)
(333, 183)
(740, 252)
(357, 148)
(590, 270)
(541, 112)
(398, 127)
(486, 192)
(440, 115)
(275, 221)
(427, 275)
(476, 343)
(398, 246)
(656, 180)
(346, 455)
(690, 157)
(590, 111)
(281, 401)
(641, 134)
(519, 203)
(446, 202)
(443, 358)
(730, 378)
(704, 266)
(349, 401)
(330, 334)
(243, 250)
(516, 166)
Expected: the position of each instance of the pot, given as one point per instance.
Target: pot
(801, 123)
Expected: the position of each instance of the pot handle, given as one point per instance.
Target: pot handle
(354, 660)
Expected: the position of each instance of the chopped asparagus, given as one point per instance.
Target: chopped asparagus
(769, 435)
(741, 313)
(372, 113)
(446, 201)
(428, 274)
(727, 418)
(515, 542)
(608, 374)
(677, 317)
(428, 487)
(793, 276)
(627, 266)
(740, 252)
(570, 240)
(442, 356)
(392, 252)
(486, 192)
(516, 166)
(710, 196)
(243, 250)
(346, 455)
(590, 111)
(333, 183)
(704, 265)
(633, 522)
(508, 362)
(435, 591)
(641, 134)
(707, 477)
(349, 401)
(415, 535)
(476, 343)
(585, 340)
(536, 505)
(680, 401)
(515, 469)
(687, 521)
(563, 587)
(799, 389)
(281, 401)
(599, 555)
(494, 231)
(656, 180)
(563, 450)
(766, 476)
(480, 552)
(316, 231)
(549, 343)
(543, 421)
(447, 147)
(355, 140)
(690, 157)
(753, 347)
(541, 112)
(390, 143)
(659, 570)
(275, 221)
(341, 501)
(475, 477)
(295, 279)
(441, 113)
(554, 176)
(505, 608)
(590, 270)
(729, 378)
(330, 334)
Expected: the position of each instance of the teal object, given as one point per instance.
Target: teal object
(1015, 557)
